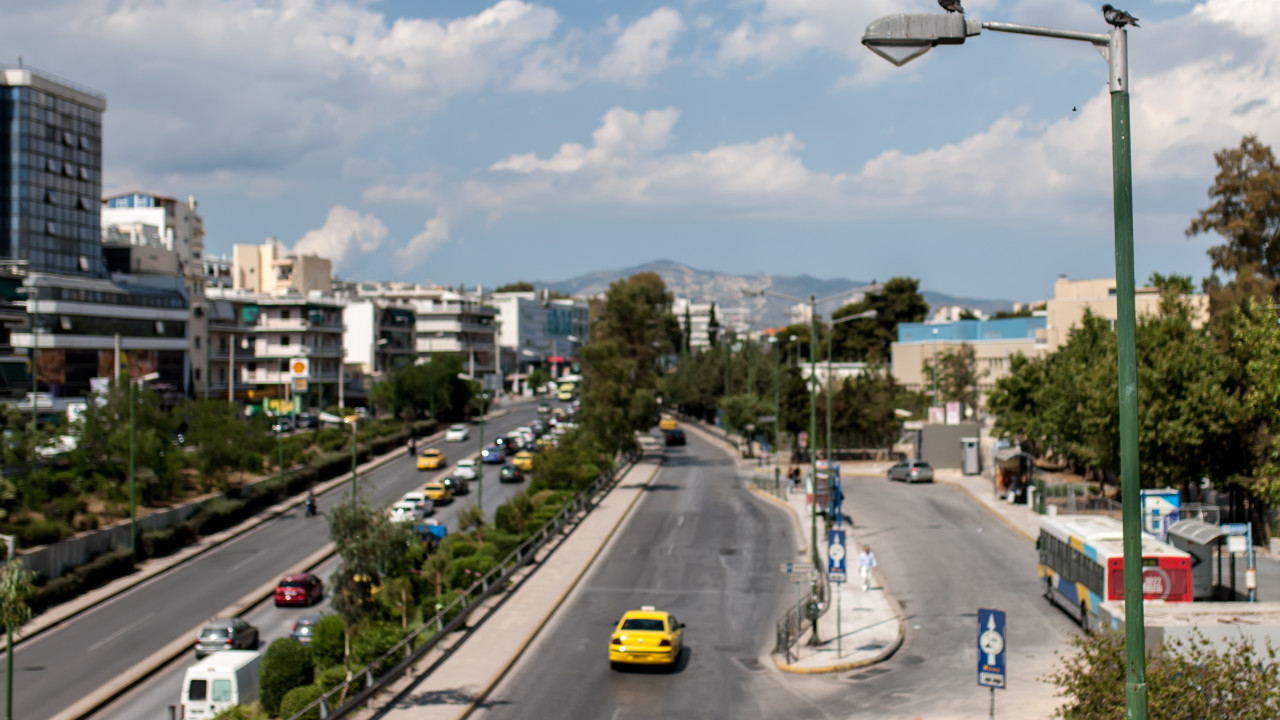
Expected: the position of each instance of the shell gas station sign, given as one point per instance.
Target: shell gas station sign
(299, 372)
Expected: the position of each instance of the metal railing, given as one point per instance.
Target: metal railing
(404, 655)
(791, 626)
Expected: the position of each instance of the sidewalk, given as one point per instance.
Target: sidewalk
(858, 628)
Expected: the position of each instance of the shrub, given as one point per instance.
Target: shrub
(464, 571)
(327, 641)
(57, 590)
(106, 567)
(372, 642)
(296, 699)
(333, 676)
(242, 712)
(166, 541)
(285, 665)
(43, 532)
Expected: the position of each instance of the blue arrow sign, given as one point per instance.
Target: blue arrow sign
(991, 648)
(835, 556)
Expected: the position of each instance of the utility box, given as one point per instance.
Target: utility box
(970, 460)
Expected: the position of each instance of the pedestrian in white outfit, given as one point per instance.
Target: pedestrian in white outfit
(866, 563)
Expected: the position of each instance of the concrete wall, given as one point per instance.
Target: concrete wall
(940, 444)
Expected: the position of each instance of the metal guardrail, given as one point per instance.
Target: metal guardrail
(405, 654)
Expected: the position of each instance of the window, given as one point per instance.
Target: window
(198, 690)
(197, 342)
(221, 691)
(197, 374)
(284, 314)
(284, 339)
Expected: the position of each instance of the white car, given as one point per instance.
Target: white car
(420, 501)
(466, 469)
(457, 433)
(406, 512)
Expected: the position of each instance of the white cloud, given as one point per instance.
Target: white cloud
(623, 137)
(643, 49)
(346, 238)
(435, 232)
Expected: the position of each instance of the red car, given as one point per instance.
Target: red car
(299, 589)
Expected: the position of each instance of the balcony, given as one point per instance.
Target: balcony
(280, 377)
(275, 350)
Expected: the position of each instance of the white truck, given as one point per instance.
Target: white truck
(220, 680)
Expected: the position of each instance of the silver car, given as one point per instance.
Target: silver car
(228, 634)
(457, 433)
(912, 471)
(466, 469)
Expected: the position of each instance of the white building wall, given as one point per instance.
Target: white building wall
(359, 317)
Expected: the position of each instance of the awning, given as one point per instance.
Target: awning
(1196, 531)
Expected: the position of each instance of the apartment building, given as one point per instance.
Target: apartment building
(380, 336)
(536, 331)
(1072, 298)
(445, 322)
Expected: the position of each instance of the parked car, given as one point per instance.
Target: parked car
(466, 469)
(493, 455)
(510, 473)
(675, 436)
(227, 634)
(406, 512)
(457, 433)
(299, 589)
(912, 471)
(304, 628)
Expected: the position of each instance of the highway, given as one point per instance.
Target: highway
(699, 546)
(696, 544)
(59, 667)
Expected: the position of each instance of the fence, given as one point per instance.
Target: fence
(406, 653)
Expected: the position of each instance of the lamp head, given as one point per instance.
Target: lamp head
(903, 38)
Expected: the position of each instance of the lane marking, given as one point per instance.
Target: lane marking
(121, 631)
(253, 556)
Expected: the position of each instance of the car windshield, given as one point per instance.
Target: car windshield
(293, 583)
(214, 633)
(645, 624)
(922, 465)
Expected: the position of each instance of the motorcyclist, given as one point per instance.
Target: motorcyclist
(311, 503)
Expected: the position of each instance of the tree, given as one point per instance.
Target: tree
(868, 340)
(520, 286)
(15, 588)
(538, 380)
(415, 391)
(713, 327)
(397, 595)
(958, 376)
(1187, 679)
(285, 665)
(1245, 211)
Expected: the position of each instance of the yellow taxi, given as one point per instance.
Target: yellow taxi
(668, 424)
(432, 459)
(523, 460)
(646, 637)
(438, 493)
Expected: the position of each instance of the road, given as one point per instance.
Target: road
(56, 669)
(699, 546)
(696, 544)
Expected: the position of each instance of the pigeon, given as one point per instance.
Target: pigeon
(951, 6)
(1119, 18)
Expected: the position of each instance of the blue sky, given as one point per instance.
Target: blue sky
(475, 142)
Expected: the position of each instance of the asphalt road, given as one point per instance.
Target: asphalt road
(699, 545)
(57, 668)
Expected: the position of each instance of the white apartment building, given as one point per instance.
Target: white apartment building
(380, 336)
(537, 331)
(698, 315)
(445, 322)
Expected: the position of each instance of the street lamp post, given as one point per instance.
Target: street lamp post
(133, 467)
(777, 414)
(899, 39)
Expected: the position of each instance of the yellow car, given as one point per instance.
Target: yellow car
(438, 493)
(668, 424)
(646, 637)
(523, 460)
(431, 460)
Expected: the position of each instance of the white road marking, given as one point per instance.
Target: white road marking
(121, 631)
(245, 561)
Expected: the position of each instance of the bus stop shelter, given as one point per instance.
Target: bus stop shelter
(1202, 541)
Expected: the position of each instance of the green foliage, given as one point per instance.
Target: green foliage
(519, 286)
(285, 665)
(243, 712)
(372, 642)
(1186, 680)
(15, 588)
(224, 440)
(869, 339)
(410, 390)
(538, 380)
(296, 699)
(958, 376)
(570, 465)
(327, 641)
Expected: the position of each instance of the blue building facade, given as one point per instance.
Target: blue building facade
(1018, 328)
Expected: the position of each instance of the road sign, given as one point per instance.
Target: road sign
(797, 567)
(835, 556)
(299, 367)
(991, 648)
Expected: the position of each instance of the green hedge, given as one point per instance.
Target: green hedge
(102, 569)
(42, 532)
(298, 698)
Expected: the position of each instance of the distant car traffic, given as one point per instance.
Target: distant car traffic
(493, 455)
(675, 436)
(299, 589)
(457, 433)
(438, 492)
(431, 459)
(229, 634)
(912, 471)
(466, 469)
(646, 637)
(510, 473)
(304, 628)
(543, 408)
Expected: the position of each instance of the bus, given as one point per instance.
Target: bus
(567, 387)
(1082, 565)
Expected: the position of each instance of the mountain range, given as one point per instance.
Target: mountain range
(726, 290)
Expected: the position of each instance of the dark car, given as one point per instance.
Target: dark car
(307, 421)
(299, 589)
(510, 444)
(304, 628)
(912, 471)
(510, 473)
(456, 485)
(493, 455)
(229, 634)
(675, 436)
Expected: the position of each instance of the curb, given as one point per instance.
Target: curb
(502, 673)
(177, 648)
(216, 540)
(989, 509)
(804, 541)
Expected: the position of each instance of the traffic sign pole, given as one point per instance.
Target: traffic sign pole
(991, 652)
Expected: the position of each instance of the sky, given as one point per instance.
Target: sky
(484, 143)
